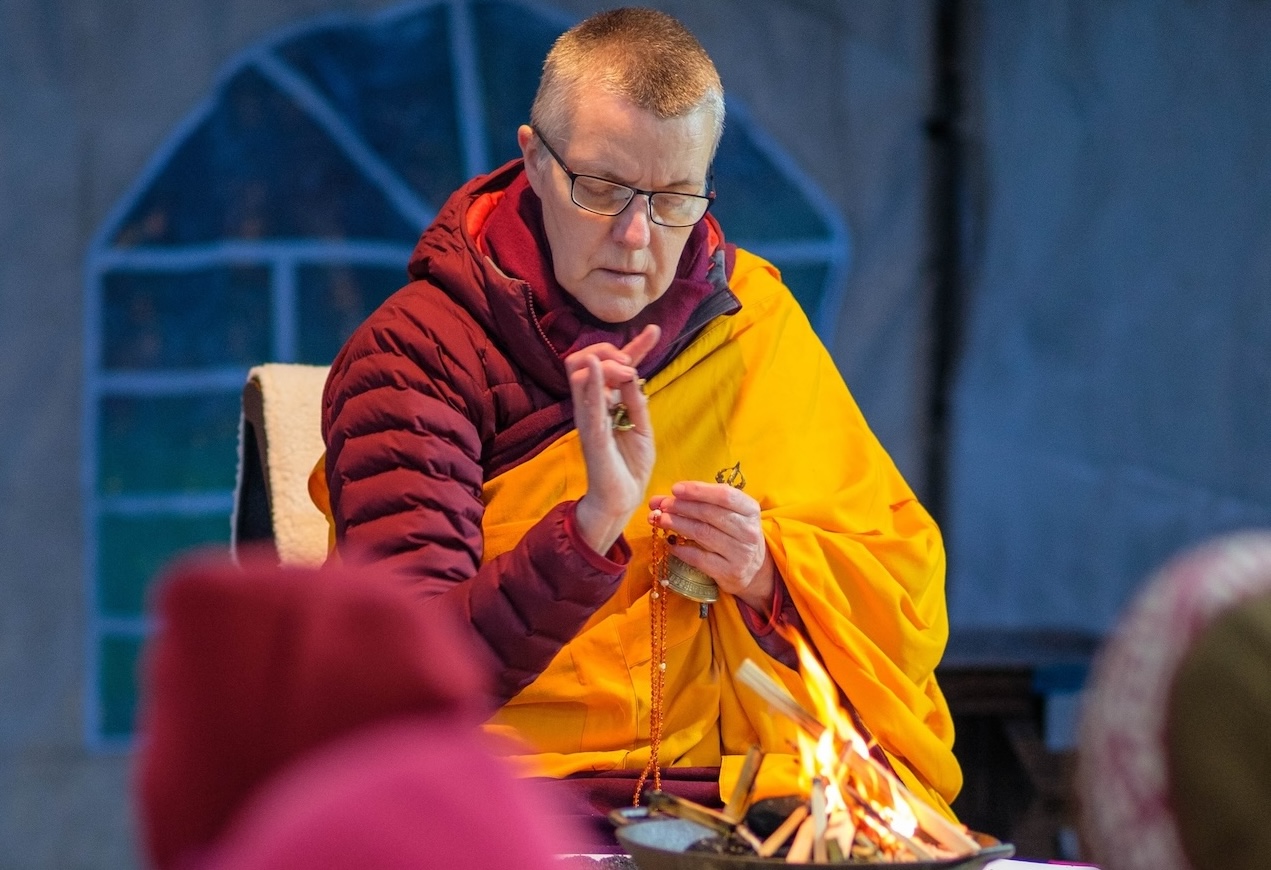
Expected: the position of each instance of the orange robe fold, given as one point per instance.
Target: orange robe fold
(862, 561)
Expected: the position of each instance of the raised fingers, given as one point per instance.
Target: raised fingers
(615, 362)
(612, 372)
(601, 350)
(639, 347)
(587, 387)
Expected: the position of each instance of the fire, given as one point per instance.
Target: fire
(900, 815)
(825, 697)
(854, 808)
(827, 757)
(858, 808)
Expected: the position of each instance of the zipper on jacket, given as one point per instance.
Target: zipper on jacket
(538, 327)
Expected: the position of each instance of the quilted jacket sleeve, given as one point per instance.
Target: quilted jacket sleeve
(403, 420)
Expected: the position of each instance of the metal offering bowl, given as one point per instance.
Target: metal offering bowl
(660, 843)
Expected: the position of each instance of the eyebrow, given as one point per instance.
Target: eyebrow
(660, 189)
(573, 167)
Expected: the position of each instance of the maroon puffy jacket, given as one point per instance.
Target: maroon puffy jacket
(448, 383)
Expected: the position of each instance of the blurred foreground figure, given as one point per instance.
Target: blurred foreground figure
(1174, 762)
(320, 719)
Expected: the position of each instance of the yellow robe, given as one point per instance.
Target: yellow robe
(862, 561)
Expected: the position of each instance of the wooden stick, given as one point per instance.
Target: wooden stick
(777, 696)
(739, 800)
(820, 818)
(840, 833)
(950, 837)
(683, 808)
(748, 835)
(777, 838)
(801, 848)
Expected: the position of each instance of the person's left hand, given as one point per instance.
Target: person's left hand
(727, 541)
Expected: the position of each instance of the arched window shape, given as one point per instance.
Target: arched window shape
(275, 218)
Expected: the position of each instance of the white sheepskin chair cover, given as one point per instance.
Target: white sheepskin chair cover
(291, 443)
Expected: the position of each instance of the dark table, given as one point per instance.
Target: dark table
(998, 683)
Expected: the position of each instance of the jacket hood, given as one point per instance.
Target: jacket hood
(448, 254)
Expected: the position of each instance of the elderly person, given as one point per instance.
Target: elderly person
(577, 356)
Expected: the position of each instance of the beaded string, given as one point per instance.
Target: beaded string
(657, 660)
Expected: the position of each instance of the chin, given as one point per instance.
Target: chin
(613, 305)
(617, 314)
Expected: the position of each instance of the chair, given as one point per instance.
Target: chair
(279, 442)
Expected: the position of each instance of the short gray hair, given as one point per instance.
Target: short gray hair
(643, 55)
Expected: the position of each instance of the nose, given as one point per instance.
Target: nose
(632, 227)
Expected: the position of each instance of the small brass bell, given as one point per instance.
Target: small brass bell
(694, 583)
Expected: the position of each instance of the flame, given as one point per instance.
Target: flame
(900, 815)
(819, 759)
(830, 757)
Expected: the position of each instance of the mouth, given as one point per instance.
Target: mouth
(623, 276)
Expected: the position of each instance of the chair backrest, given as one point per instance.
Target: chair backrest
(279, 441)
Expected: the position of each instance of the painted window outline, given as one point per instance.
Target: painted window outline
(285, 258)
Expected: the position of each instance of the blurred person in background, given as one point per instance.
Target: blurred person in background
(1174, 763)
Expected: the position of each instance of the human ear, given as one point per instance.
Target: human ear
(526, 138)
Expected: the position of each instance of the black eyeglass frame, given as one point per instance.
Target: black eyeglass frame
(708, 197)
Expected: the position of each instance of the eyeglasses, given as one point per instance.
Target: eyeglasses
(602, 196)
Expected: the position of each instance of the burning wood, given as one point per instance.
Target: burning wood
(809, 831)
(735, 809)
(856, 809)
(778, 698)
(778, 838)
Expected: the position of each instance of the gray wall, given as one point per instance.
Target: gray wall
(1114, 401)
(89, 90)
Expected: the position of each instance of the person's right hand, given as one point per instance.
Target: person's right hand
(618, 462)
